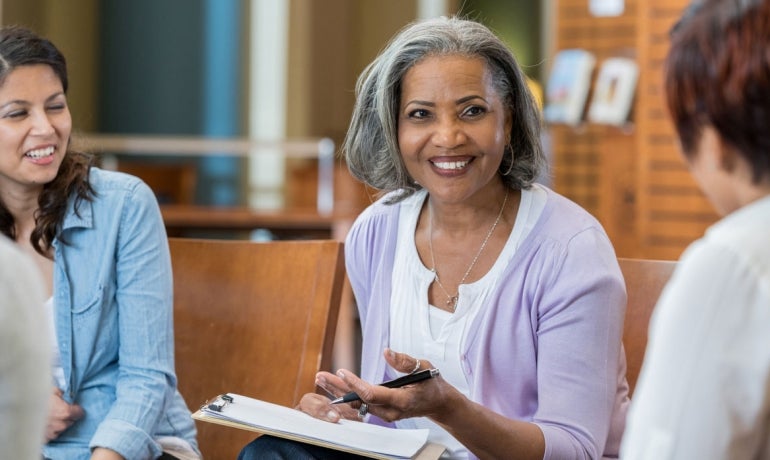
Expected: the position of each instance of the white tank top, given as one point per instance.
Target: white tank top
(56, 368)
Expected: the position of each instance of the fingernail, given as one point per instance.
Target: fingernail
(391, 353)
(331, 415)
(341, 374)
(320, 381)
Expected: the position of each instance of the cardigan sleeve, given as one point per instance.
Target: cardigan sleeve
(580, 312)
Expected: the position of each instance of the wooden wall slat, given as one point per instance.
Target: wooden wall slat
(672, 211)
(593, 164)
(633, 180)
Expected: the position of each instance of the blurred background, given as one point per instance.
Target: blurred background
(233, 111)
(278, 76)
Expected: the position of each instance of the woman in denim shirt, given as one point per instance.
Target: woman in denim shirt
(99, 240)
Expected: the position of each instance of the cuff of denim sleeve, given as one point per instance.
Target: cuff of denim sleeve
(125, 439)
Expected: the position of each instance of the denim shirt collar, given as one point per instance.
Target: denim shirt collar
(83, 217)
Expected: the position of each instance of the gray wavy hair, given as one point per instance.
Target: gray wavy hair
(371, 143)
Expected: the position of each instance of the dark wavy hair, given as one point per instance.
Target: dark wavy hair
(371, 144)
(718, 75)
(19, 47)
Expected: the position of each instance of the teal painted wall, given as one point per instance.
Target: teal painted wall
(151, 66)
(517, 23)
(173, 67)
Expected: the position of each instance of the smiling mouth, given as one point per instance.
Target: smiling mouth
(40, 153)
(451, 165)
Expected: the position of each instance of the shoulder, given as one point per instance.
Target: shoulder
(564, 225)
(114, 188)
(382, 206)
(561, 213)
(567, 246)
(731, 259)
(115, 193)
(377, 217)
(111, 181)
(743, 234)
(371, 241)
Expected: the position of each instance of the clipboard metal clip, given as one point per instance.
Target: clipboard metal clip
(219, 403)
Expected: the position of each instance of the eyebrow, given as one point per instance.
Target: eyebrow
(462, 100)
(15, 101)
(25, 103)
(55, 95)
(465, 99)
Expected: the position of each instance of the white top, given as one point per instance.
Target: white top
(25, 379)
(704, 388)
(434, 334)
(56, 368)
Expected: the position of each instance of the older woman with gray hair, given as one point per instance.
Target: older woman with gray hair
(467, 265)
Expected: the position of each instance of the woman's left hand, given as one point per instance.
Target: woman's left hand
(426, 398)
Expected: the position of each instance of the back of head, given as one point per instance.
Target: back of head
(718, 74)
(20, 46)
(371, 144)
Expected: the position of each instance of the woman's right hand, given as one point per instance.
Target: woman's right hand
(318, 405)
(61, 415)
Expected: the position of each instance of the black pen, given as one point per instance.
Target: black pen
(395, 383)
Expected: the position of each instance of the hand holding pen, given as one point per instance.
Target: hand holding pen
(419, 391)
(397, 361)
(402, 381)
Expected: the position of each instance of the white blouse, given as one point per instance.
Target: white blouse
(704, 388)
(436, 335)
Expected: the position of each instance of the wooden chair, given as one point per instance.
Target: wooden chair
(645, 280)
(173, 183)
(256, 319)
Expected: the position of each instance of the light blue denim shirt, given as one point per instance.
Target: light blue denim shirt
(113, 298)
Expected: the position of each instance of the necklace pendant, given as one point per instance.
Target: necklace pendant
(452, 302)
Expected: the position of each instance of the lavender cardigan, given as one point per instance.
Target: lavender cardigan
(547, 348)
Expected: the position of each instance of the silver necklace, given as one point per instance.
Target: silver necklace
(451, 301)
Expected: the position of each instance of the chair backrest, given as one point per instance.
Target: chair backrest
(173, 183)
(256, 319)
(645, 280)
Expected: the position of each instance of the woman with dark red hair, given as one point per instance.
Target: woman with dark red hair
(704, 389)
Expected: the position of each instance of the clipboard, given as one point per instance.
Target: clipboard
(359, 438)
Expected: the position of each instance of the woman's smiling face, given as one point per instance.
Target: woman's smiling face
(453, 126)
(35, 126)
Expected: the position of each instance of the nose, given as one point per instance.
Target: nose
(41, 124)
(449, 133)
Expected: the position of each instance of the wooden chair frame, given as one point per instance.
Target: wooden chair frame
(252, 318)
(645, 280)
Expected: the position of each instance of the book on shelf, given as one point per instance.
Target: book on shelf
(614, 91)
(369, 440)
(568, 86)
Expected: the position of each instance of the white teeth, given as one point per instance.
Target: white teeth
(40, 153)
(451, 164)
